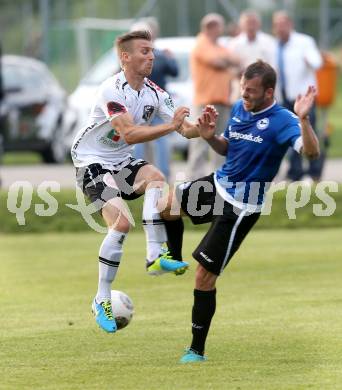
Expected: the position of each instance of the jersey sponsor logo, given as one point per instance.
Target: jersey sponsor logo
(148, 111)
(263, 124)
(115, 108)
(113, 135)
(206, 257)
(246, 137)
(169, 103)
(112, 138)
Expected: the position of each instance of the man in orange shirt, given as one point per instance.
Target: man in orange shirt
(213, 68)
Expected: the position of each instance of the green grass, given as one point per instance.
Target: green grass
(21, 158)
(277, 324)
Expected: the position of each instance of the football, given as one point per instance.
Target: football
(122, 306)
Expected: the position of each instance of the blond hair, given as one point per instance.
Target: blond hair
(123, 42)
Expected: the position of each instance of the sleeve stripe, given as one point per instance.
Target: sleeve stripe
(297, 146)
(153, 89)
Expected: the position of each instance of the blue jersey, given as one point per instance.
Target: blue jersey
(257, 144)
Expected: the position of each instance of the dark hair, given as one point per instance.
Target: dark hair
(123, 41)
(264, 70)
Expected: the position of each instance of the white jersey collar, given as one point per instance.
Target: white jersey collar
(124, 83)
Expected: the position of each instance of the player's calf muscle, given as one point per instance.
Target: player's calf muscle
(205, 280)
(169, 207)
(114, 218)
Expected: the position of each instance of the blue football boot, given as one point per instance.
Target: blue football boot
(104, 315)
(166, 264)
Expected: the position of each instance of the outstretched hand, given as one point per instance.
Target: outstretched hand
(304, 103)
(179, 116)
(207, 122)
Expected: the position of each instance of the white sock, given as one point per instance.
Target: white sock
(109, 259)
(153, 225)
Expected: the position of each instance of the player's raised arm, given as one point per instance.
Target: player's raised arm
(191, 130)
(302, 108)
(134, 134)
(207, 127)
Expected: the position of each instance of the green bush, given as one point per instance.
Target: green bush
(66, 219)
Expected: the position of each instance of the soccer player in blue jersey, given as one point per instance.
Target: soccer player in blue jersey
(255, 140)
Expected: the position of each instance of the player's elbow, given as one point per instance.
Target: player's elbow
(129, 140)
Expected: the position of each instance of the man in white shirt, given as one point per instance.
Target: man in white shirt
(252, 43)
(125, 105)
(297, 60)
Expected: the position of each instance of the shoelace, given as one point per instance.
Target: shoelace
(107, 307)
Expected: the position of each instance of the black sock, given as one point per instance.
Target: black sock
(174, 231)
(202, 313)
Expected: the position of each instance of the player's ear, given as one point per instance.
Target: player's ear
(269, 93)
(125, 57)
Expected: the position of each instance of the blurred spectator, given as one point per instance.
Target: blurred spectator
(252, 44)
(232, 30)
(1, 83)
(211, 68)
(33, 46)
(2, 93)
(297, 60)
(164, 65)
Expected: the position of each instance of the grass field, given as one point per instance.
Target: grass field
(277, 324)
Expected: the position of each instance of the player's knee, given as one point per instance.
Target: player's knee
(115, 219)
(156, 177)
(121, 224)
(164, 206)
(153, 175)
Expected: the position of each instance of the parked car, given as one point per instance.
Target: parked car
(180, 88)
(33, 109)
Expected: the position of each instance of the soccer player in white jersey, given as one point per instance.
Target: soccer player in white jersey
(256, 139)
(125, 105)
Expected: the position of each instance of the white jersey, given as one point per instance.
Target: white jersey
(98, 142)
(263, 47)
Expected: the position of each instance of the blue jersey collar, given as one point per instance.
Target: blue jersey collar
(265, 109)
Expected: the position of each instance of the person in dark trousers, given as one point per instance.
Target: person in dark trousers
(257, 136)
(2, 95)
(299, 49)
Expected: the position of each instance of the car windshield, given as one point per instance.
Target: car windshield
(23, 77)
(12, 77)
(108, 65)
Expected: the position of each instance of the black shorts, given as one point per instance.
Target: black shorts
(229, 225)
(101, 184)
